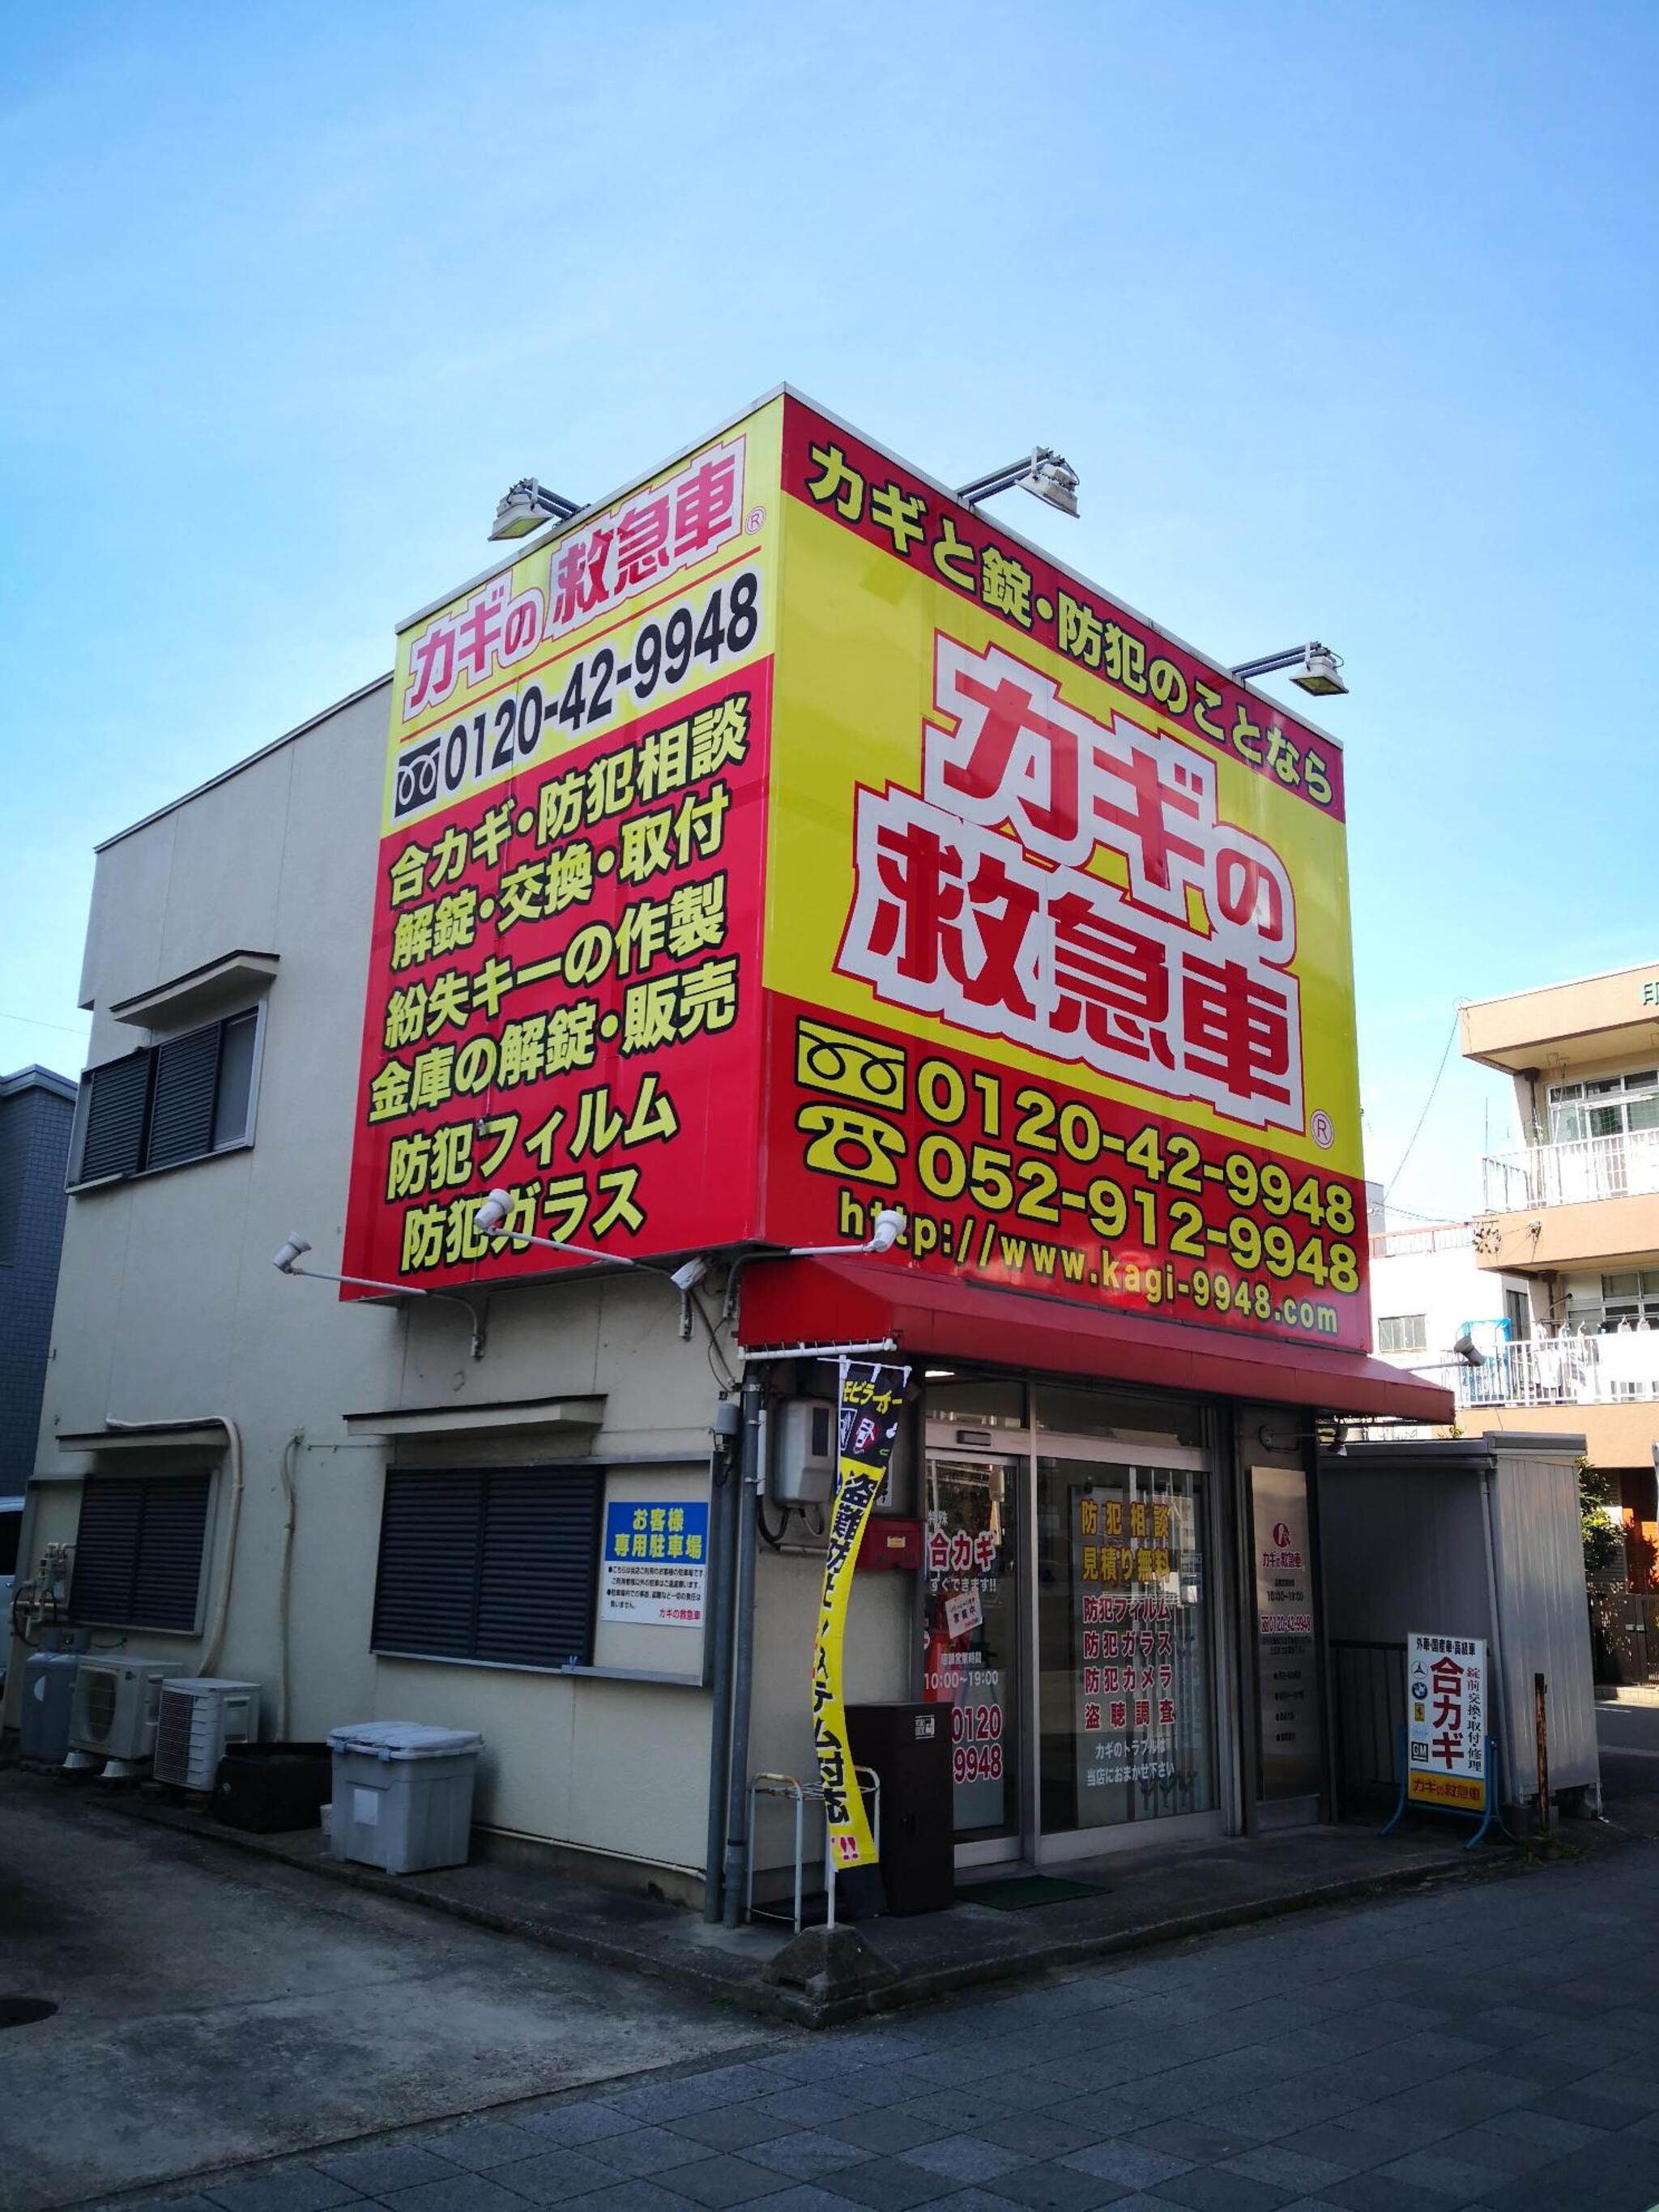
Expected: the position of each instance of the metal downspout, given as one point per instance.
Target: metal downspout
(743, 1640)
(724, 1477)
(1506, 1778)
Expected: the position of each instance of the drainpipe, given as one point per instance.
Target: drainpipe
(1499, 1691)
(216, 1635)
(743, 1639)
(724, 1479)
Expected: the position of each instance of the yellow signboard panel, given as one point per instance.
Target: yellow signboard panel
(1057, 943)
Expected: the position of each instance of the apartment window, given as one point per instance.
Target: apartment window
(1403, 1333)
(139, 1552)
(496, 1565)
(1518, 1312)
(1610, 1108)
(1630, 1295)
(168, 1103)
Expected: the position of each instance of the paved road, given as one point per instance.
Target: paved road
(213, 2007)
(1494, 2045)
(1629, 1738)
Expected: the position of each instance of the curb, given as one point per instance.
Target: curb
(793, 2007)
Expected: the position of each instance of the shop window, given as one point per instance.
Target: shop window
(1116, 1415)
(977, 1402)
(139, 1552)
(1403, 1332)
(169, 1104)
(495, 1564)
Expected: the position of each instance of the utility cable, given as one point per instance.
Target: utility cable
(1433, 1087)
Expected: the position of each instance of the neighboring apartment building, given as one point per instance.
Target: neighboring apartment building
(1430, 1294)
(37, 1113)
(411, 1505)
(1575, 1215)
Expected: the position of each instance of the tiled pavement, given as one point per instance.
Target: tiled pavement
(1495, 2045)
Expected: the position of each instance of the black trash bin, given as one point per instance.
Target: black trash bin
(267, 1787)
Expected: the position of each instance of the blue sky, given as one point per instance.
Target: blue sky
(1344, 314)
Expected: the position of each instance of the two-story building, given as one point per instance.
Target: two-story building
(775, 849)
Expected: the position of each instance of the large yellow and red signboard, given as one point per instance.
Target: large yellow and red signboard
(786, 841)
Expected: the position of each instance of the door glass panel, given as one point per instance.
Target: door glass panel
(970, 1659)
(1123, 1645)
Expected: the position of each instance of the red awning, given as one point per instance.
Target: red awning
(789, 1302)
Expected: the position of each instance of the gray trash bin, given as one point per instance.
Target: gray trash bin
(403, 1794)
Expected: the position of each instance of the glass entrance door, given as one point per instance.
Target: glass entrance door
(971, 1629)
(1125, 1704)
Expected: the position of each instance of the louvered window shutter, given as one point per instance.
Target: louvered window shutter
(493, 1564)
(118, 1094)
(181, 1109)
(138, 1551)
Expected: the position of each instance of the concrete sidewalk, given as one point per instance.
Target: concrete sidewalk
(1495, 2045)
(1141, 1900)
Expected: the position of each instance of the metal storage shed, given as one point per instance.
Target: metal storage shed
(1468, 1536)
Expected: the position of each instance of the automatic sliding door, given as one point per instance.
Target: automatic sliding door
(1126, 1711)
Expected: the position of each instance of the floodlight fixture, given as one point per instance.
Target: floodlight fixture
(286, 1261)
(1043, 473)
(490, 1214)
(1317, 669)
(886, 1231)
(527, 505)
(685, 1279)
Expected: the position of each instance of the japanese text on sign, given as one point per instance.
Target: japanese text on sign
(654, 1564)
(871, 1403)
(1446, 1721)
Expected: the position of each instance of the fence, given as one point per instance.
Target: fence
(1622, 1166)
(1625, 1636)
(1367, 1697)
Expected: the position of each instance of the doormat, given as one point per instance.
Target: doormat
(1020, 1892)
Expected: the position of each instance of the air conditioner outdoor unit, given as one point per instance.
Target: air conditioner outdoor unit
(114, 1712)
(200, 1714)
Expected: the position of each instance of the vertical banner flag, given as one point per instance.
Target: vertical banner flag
(871, 1401)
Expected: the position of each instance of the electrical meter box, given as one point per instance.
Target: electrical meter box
(803, 1447)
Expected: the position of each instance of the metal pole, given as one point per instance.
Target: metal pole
(743, 1639)
(723, 1477)
(1540, 1724)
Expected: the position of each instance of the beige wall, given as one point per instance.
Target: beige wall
(1615, 1435)
(1603, 1232)
(1597, 1018)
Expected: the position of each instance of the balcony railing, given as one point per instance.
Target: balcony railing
(1624, 1166)
(1568, 1369)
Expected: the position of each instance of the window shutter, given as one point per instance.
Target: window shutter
(106, 1553)
(426, 1592)
(541, 1547)
(495, 1563)
(138, 1551)
(181, 1115)
(168, 1580)
(116, 1094)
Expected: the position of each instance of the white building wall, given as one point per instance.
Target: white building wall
(1445, 1285)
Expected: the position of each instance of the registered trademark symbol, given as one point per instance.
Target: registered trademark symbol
(1323, 1134)
(754, 521)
